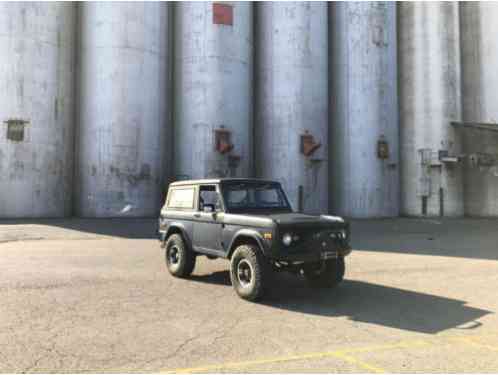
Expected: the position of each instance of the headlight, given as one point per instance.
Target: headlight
(287, 239)
(341, 235)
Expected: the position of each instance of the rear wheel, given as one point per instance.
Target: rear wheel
(248, 272)
(179, 258)
(327, 274)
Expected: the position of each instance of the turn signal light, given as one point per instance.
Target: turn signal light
(267, 236)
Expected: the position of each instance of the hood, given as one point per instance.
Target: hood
(265, 219)
(298, 218)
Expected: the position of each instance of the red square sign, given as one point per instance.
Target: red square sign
(222, 14)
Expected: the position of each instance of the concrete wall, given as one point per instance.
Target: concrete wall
(363, 110)
(291, 99)
(36, 88)
(123, 114)
(479, 31)
(429, 100)
(213, 77)
(263, 81)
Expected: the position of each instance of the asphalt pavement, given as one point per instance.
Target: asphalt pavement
(95, 296)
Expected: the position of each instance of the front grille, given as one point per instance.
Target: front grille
(317, 241)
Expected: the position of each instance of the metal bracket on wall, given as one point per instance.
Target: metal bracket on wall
(308, 144)
(223, 140)
(233, 161)
(233, 164)
(425, 156)
(15, 129)
(382, 148)
(438, 158)
(445, 157)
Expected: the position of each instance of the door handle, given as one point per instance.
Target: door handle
(197, 215)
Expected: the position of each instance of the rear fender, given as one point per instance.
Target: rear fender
(178, 227)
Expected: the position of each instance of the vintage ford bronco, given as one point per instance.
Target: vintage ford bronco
(251, 223)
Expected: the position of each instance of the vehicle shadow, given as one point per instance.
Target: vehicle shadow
(217, 278)
(366, 302)
(464, 238)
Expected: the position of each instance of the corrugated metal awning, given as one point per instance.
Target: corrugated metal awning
(476, 125)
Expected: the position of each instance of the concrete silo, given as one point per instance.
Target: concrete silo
(364, 170)
(213, 51)
(479, 30)
(429, 100)
(291, 108)
(123, 115)
(36, 109)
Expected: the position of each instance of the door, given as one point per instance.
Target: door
(208, 220)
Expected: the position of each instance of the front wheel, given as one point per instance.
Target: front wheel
(327, 274)
(179, 258)
(248, 272)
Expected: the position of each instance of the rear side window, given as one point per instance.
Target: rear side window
(181, 198)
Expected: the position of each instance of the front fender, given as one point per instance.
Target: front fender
(252, 234)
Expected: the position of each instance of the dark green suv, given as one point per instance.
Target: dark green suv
(250, 222)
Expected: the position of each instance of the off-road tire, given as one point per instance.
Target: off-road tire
(328, 275)
(185, 259)
(249, 256)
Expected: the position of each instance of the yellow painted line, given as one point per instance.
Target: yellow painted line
(338, 354)
(251, 363)
(344, 354)
(362, 364)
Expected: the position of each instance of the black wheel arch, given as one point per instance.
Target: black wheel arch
(247, 237)
(178, 228)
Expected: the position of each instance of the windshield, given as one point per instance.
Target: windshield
(254, 196)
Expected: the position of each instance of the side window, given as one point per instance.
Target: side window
(238, 197)
(208, 197)
(181, 198)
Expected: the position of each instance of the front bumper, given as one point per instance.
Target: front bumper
(311, 256)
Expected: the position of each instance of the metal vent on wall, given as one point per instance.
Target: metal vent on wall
(15, 129)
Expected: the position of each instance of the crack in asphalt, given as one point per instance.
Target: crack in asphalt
(180, 346)
(225, 330)
(45, 344)
(4, 359)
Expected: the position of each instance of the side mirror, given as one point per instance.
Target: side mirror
(208, 208)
